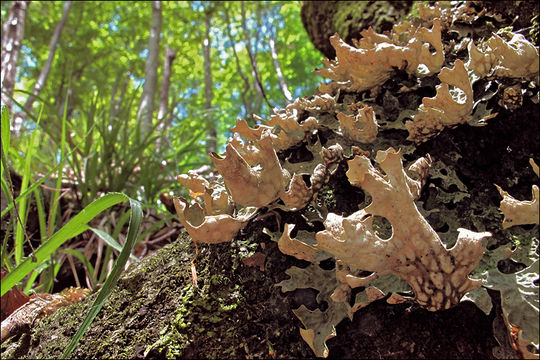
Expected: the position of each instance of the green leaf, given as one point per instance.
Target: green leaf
(26, 176)
(5, 132)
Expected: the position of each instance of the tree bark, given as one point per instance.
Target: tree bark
(163, 117)
(12, 37)
(322, 19)
(146, 106)
(211, 141)
(44, 74)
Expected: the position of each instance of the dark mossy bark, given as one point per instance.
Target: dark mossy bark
(322, 19)
(238, 313)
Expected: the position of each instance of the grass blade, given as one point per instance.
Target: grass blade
(54, 205)
(21, 224)
(105, 291)
(109, 240)
(73, 228)
(5, 135)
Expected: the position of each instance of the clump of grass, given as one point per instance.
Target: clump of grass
(21, 267)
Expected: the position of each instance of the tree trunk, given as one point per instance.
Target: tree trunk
(253, 60)
(281, 78)
(164, 117)
(44, 74)
(146, 106)
(238, 312)
(247, 86)
(12, 37)
(211, 132)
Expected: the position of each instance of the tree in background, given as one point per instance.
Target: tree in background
(12, 37)
(146, 107)
(45, 70)
(102, 71)
(211, 132)
(164, 117)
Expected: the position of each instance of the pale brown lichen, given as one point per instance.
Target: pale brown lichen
(515, 58)
(418, 172)
(283, 127)
(414, 252)
(251, 134)
(360, 128)
(211, 229)
(194, 182)
(247, 185)
(247, 150)
(427, 12)
(298, 194)
(294, 247)
(215, 198)
(518, 212)
(448, 13)
(443, 110)
(373, 60)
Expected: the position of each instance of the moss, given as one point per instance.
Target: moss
(157, 312)
(380, 15)
(347, 15)
(326, 195)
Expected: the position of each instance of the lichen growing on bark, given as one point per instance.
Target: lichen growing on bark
(303, 150)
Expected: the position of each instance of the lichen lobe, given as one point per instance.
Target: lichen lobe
(414, 252)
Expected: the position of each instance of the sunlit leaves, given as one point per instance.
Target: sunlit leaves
(103, 42)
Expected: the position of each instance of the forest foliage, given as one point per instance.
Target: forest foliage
(98, 73)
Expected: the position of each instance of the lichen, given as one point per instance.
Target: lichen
(319, 324)
(360, 128)
(521, 212)
(445, 109)
(415, 252)
(210, 229)
(373, 60)
(515, 58)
